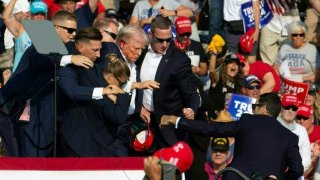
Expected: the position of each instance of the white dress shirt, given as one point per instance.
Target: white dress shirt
(148, 72)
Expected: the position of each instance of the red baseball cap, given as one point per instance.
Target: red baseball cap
(180, 155)
(304, 110)
(246, 44)
(290, 100)
(142, 139)
(183, 25)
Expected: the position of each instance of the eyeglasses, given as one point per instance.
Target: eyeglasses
(302, 118)
(254, 106)
(162, 40)
(185, 34)
(119, 81)
(296, 35)
(113, 35)
(312, 93)
(70, 30)
(257, 87)
(293, 108)
(220, 151)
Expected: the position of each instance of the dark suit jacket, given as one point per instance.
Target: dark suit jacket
(33, 80)
(91, 127)
(177, 90)
(262, 145)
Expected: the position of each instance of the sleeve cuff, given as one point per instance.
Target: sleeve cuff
(65, 60)
(177, 122)
(127, 87)
(97, 93)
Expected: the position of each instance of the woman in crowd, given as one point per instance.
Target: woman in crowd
(101, 124)
(225, 80)
(297, 58)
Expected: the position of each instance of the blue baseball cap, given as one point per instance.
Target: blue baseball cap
(38, 6)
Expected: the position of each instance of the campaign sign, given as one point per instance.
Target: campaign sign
(238, 104)
(247, 14)
(296, 88)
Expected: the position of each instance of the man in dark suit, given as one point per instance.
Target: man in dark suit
(93, 128)
(177, 94)
(31, 85)
(262, 145)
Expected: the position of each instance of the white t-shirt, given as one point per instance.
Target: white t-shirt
(142, 8)
(232, 9)
(300, 61)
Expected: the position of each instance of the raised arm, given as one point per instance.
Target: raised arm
(14, 26)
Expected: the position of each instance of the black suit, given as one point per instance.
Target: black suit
(33, 80)
(177, 91)
(92, 127)
(262, 145)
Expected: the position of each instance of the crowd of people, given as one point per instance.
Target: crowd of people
(151, 84)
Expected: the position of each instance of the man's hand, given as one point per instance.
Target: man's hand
(188, 113)
(145, 114)
(152, 168)
(149, 84)
(168, 119)
(83, 61)
(195, 69)
(167, 13)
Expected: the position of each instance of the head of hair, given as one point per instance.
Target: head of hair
(86, 34)
(226, 78)
(296, 26)
(160, 22)
(63, 16)
(129, 31)
(104, 22)
(116, 66)
(272, 102)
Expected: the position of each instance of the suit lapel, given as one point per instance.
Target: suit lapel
(162, 65)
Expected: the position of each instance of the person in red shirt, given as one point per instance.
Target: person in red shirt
(266, 74)
(305, 118)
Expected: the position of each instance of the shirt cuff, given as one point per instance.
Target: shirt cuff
(97, 93)
(127, 87)
(65, 60)
(177, 121)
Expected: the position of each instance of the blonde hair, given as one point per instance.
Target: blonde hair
(116, 66)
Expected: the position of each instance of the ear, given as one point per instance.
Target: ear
(79, 47)
(122, 43)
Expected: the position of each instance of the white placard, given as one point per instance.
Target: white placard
(195, 59)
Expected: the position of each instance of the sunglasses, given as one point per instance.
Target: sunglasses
(70, 30)
(257, 87)
(293, 108)
(296, 35)
(120, 82)
(185, 34)
(302, 118)
(163, 40)
(254, 106)
(113, 35)
(312, 93)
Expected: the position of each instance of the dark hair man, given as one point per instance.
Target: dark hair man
(263, 144)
